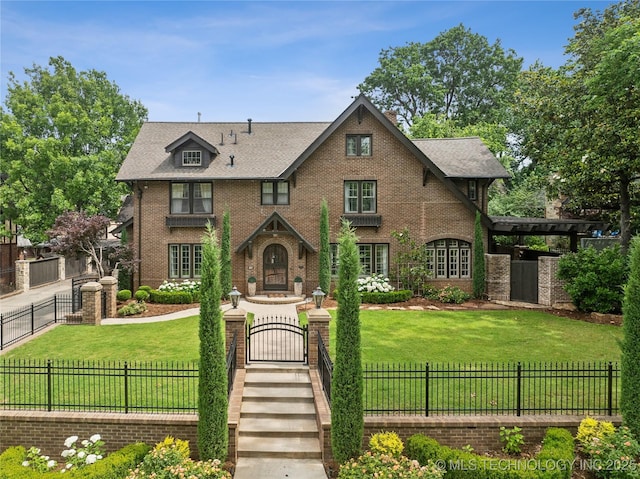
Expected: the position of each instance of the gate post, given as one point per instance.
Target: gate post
(91, 303)
(110, 285)
(235, 320)
(318, 323)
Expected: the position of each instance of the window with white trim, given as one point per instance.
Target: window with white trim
(191, 198)
(360, 196)
(374, 258)
(275, 193)
(192, 158)
(185, 260)
(358, 145)
(449, 258)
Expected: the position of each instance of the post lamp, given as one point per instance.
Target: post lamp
(318, 297)
(235, 297)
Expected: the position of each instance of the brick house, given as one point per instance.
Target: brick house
(272, 178)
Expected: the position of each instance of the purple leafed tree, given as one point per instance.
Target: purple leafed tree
(74, 233)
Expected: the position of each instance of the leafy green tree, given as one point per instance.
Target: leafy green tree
(412, 261)
(325, 251)
(478, 259)
(458, 75)
(63, 137)
(213, 433)
(75, 234)
(225, 255)
(579, 124)
(347, 410)
(630, 346)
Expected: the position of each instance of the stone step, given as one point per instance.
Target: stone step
(277, 394)
(279, 447)
(281, 379)
(284, 367)
(280, 410)
(277, 427)
(265, 468)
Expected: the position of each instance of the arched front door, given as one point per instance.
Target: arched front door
(275, 267)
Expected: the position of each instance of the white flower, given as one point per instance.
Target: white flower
(81, 454)
(95, 438)
(25, 463)
(69, 465)
(51, 463)
(68, 452)
(91, 458)
(70, 441)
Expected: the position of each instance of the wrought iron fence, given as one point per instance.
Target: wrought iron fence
(491, 389)
(111, 386)
(26, 321)
(325, 368)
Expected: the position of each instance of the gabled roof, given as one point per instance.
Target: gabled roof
(275, 224)
(191, 136)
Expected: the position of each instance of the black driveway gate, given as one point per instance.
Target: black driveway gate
(273, 339)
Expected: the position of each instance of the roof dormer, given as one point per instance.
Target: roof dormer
(191, 151)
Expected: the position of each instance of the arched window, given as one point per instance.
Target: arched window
(449, 258)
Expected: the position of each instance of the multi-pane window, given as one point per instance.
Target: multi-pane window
(359, 196)
(275, 193)
(358, 145)
(191, 158)
(449, 258)
(374, 258)
(185, 260)
(472, 189)
(191, 198)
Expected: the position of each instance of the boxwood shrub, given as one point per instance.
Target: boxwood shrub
(123, 295)
(554, 461)
(386, 298)
(115, 466)
(171, 297)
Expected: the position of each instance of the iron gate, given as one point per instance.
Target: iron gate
(274, 339)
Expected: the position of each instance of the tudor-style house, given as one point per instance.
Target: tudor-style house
(272, 178)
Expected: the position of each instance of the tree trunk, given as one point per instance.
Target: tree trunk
(625, 214)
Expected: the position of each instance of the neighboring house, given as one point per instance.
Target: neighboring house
(272, 177)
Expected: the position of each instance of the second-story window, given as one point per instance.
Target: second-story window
(359, 196)
(191, 198)
(358, 145)
(192, 158)
(275, 193)
(472, 189)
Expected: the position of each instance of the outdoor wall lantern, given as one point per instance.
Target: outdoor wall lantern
(235, 297)
(318, 297)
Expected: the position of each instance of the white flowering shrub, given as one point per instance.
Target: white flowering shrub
(189, 286)
(376, 283)
(89, 451)
(37, 461)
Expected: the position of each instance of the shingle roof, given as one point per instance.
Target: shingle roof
(264, 153)
(462, 157)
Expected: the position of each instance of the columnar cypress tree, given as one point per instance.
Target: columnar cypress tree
(347, 414)
(630, 364)
(325, 252)
(213, 434)
(478, 260)
(225, 255)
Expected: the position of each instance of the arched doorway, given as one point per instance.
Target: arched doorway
(275, 267)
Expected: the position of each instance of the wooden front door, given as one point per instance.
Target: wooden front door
(275, 267)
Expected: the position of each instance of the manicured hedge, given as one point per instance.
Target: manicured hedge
(554, 461)
(114, 466)
(173, 297)
(386, 298)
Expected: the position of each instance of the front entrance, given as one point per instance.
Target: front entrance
(277, 339)
(274, 268)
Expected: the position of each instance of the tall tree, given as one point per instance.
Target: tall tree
(63, 137)
(213, 433)
(347, 410)
(579, 124)
(478, 259)
(75, 233)
(630, 363)
(324, 272)
(457, 75)
(225, 255)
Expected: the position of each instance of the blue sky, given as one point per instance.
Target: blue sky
(267, 60)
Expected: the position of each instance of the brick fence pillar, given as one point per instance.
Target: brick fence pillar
(550, 287)
(91, 303)
(235, 321)
(498, 277)
(318, 324)
(110, 285)
(22, 275)
(62, 268)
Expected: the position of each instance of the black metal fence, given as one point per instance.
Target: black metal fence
(325, 368)
(490, 388)
(28, 320)
(109, 386)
